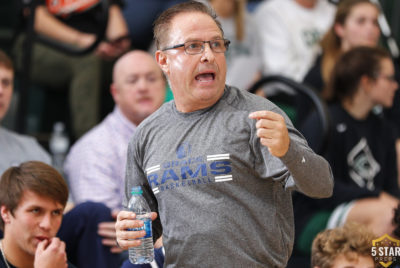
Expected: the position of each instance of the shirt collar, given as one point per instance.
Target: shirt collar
(128, 125)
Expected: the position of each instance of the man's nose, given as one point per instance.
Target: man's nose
(46, 222)
(142, 84)
(208, 54)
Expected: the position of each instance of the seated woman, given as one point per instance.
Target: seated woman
(243, 57)
(360, 150)
(355, 24)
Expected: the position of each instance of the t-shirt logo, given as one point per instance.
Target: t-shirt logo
(363, 166)
(183, 150)
(188, 170)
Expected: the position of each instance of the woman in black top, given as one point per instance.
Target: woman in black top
(360, 149)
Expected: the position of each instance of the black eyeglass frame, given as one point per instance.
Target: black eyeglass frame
(226, 44)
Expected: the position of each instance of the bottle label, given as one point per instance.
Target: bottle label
(146, 227)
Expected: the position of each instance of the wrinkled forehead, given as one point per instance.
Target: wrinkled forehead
(192, 26)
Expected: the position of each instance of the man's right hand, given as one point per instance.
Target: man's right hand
(127, 220)
(50, 254)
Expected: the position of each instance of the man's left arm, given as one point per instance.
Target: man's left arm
(311, 173)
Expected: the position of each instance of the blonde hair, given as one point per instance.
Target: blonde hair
(351, 241)
(331, 42)
(240, 11)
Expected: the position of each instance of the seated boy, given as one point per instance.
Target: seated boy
(348, 246)
(32, 200)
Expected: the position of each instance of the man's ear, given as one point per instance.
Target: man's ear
(162, 61)
(114, 92)
(366, 83)
(5, 214)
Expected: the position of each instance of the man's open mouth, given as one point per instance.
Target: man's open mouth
(205, 77)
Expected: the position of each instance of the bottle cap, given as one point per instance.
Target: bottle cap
(136, 190)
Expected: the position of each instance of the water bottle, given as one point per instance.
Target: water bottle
(145, 252)
(58, 144)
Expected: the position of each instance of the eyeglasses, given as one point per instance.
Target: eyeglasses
(197, 47)
(390, 78)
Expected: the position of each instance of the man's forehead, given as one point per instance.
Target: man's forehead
(135, 62)
(32, 199)
(188, 25)
(144, 68)
(134, 59)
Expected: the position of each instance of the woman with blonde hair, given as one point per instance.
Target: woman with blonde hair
(242, 58)
(355, 24)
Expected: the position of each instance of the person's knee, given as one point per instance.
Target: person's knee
(94, 210)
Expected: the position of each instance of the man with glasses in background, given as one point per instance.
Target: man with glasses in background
(218, 164)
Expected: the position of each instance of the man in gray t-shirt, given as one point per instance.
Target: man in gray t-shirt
(14, 148)
(217, 164)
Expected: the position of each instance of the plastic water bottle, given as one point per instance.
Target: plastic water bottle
(145, 252)
(58, 144)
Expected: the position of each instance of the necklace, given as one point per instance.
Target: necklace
(2, 254)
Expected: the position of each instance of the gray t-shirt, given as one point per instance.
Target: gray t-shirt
(222, 198)
(16, 148)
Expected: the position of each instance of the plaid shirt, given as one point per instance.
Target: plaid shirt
(95, 165)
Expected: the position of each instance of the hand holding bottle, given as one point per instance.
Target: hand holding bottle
(127, 220)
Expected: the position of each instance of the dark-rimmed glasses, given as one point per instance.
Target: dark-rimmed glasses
(390, 78)
(197, 47)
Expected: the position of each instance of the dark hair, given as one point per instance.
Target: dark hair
(34, 176)
(351, 240)
(352, 66)
(5, 61)
(163, 22)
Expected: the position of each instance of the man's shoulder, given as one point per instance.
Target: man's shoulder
(91, 139)
(12, 137)
(17, 148)
(162, 118)
(243, 100)
(161, 115)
